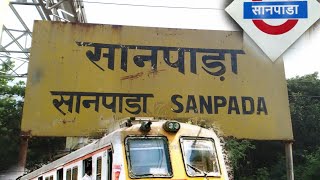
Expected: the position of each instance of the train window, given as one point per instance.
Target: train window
(75, 173)
(60, 174)
(68, 174)
(87, 166)
(47, 178)
(40, 178)
(99, 163)
(200, 156)
(51, 178)
(148, 157)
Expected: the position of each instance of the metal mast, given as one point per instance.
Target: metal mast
(16, 34)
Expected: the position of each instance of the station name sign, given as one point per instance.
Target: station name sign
(84, 78)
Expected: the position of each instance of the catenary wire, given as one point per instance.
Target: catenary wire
(146, 5)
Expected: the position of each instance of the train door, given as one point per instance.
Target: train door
(109, 164)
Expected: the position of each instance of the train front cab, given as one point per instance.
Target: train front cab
(171, 150)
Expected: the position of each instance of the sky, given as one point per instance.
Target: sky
(300, 59)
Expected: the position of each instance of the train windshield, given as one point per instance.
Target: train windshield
(148, 157)
(200, 156)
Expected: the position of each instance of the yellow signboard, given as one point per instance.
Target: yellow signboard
(83, 77)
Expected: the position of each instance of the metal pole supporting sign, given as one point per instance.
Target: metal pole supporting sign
(289, 160)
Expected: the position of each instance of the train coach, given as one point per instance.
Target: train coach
(163, 149)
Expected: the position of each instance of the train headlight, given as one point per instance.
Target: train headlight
(171, 126)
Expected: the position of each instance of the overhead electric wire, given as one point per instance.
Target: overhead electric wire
(302, 96)
(146, 5)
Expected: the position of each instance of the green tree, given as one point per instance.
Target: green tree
(311, 168)
(238, 150)
(10, 115)
(43, 150)
(304, 97)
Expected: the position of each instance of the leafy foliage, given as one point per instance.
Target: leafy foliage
(10, 116)
(311, 168)
(42, 150)
(238, 151)
(304, 96)
(9, 131)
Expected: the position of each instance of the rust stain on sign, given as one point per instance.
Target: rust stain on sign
(154, 72)
(132, 77)
(64, 121)
(26, 133)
